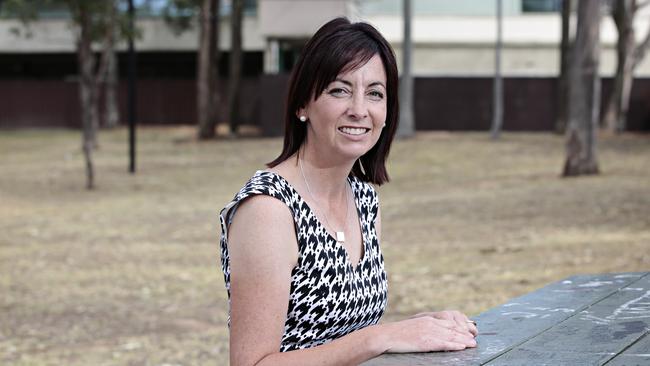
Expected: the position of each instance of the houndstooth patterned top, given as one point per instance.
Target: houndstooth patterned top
(330, 297)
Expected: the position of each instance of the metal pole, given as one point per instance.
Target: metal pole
(497, 97)
(406, 124)
(132, 89)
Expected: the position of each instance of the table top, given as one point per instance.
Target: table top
(581, 320)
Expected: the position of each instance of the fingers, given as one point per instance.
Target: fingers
(463, 321)
(459, 319)
(451, 333)
(426, 333)
(473, 328)
(453, 320)
(466, 322)
(444, 339)
(453, 346)
(464, 338)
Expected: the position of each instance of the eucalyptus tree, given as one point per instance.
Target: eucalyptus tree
(629, 55)
(497, 87)
(565, 64)
(114, 25)
(234, 82)
(92, 22)
(584, 93)
(406, 127)
(181, 15)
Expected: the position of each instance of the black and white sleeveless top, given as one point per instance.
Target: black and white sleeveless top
(330, 297)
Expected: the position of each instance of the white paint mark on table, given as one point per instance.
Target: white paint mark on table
(514, 304)
(596, 283)
(495, 346)
(635, 309)
(538, 308)
(536, 312)
(594, 319)
(520, 314)
(629, 275)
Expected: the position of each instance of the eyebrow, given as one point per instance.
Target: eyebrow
(374, 83)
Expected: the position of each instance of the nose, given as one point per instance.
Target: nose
(357, 110)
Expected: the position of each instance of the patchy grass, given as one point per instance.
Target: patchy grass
(128, 274)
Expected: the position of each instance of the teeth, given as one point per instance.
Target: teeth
(353, 131)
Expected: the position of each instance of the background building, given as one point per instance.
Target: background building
(453, 61)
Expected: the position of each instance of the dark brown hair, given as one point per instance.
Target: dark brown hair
(337, 47)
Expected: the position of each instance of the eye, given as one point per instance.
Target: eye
(376, 95)
(338, 92)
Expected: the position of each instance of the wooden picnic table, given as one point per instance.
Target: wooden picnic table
(582, 320)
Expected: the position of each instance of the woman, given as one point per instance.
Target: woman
(300, 241)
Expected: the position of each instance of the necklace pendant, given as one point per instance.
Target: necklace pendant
(340, 236)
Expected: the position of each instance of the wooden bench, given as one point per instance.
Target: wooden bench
(582, 320)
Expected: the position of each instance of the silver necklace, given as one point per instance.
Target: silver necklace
(340, 235)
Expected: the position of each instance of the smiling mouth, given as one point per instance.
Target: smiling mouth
(354, 131)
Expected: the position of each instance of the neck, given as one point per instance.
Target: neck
(327, 179)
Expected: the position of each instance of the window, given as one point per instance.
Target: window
(541, 6)
(184, 8)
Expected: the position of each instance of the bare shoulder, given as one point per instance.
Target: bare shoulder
(263, 229)
(262, 251)
(264, 208)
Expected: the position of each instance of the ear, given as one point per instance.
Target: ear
(301, 112)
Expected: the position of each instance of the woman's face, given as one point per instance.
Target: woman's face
(347, 118)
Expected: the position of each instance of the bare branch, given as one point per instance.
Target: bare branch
(640, 51)
(618, 12)
(642, 4)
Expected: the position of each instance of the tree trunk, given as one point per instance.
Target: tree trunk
(406, 127)
(497, 93)
(203, 71)
(641, 50)
(584, 93)
(207, 74)
(111, 112)
(132, 86)
(86, 93)
(616, 112)
(215, 98)
(565, 64)
(236, 16)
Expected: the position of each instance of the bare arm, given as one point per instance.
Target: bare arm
(263, 251)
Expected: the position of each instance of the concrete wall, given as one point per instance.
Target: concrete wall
(464, 46)
(298, 19)
(440, 7)
(444, 45)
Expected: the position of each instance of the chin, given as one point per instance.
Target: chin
(354, 153)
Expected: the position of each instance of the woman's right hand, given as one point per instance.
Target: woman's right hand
(425, 334)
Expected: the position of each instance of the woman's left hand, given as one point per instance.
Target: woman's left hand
(459, 318)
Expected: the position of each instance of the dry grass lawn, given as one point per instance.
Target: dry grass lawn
(128, 274)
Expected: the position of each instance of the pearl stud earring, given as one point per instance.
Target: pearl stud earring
(302, 118)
